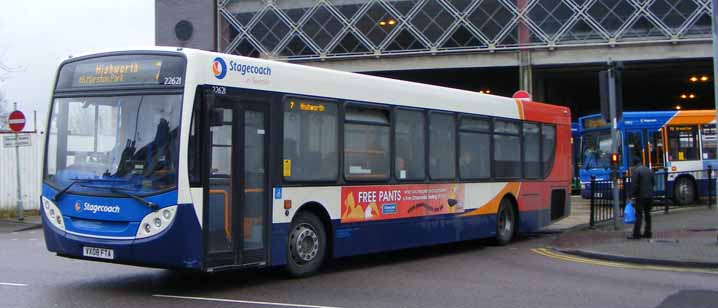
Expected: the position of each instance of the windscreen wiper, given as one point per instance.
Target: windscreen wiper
(154, 207)
(64, 190)
(75, 181)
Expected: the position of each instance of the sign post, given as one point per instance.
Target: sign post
(612, 109)
(17, 123)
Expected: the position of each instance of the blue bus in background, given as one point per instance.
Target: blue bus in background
(575, 151)
(678, 142)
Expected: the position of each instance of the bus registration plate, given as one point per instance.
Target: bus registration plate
(101, 253)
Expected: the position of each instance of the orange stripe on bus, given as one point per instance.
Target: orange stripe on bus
(492, 207)
(693, 117)
(520, 107)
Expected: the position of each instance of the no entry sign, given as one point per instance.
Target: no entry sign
(16, 120)
(522, 95)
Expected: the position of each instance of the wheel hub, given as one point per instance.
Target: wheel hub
(306, 243)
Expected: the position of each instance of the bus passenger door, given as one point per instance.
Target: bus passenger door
(656, 153)
(235, 194)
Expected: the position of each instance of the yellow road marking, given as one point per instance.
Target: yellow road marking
(552, 254)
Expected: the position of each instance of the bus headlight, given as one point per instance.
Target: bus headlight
(53, 214)
(156, 222)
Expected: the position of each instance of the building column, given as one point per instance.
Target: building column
(525, 71)
(525, 79)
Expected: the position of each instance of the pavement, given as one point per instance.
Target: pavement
(13, 225)
(578, 218)
(683, 238)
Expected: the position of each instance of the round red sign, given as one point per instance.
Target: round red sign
(522, 95)
(16, 120)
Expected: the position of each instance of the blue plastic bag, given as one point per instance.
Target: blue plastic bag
(629, 214)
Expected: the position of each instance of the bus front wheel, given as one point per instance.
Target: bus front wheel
(307, 244)
(684, 191)
(505, 222)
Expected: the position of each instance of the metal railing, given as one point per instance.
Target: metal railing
(675, 189)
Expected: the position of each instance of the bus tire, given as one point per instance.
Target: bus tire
(306, 245)
(684, 191)
(505, 223)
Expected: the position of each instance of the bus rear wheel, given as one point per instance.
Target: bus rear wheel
(684, 191)
(306, 245)
(505, 223)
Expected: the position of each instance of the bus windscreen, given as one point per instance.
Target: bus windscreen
(121, 71)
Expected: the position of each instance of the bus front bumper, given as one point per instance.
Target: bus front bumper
(179, 246)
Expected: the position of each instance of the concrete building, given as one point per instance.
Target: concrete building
(553, 48)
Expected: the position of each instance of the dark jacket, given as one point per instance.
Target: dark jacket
(642, 182)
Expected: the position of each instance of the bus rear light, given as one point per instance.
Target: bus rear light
(156, 222)
(674, 168)
(287, 204)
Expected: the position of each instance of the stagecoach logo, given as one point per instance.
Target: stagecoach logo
(94, 208)
(219, 68)
(254, 73)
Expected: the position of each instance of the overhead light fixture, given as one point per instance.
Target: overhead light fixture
(692, 96)
(678, 107)
(693, 79)
(705, 78)
(392, 22)
(684, 96)
(382, 23)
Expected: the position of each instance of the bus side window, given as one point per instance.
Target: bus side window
(532, 151)
(548, 133)
(708, 139)
(409, 141)
(682, 143)
(442, 146)
(310, 140)
(507, 149)
(366, 144)
(474, 148)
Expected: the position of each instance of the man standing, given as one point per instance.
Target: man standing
(642, 194)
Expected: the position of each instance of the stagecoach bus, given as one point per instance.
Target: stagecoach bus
(682, 143)
(186, 159)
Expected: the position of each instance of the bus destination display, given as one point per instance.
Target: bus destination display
(130, 70)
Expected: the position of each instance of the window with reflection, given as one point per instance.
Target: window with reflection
(442, 146)
(310, 140)
(474, 148)
(366, 144)
(682, 143)
(409, 139)
(532, 150)
(507, 149)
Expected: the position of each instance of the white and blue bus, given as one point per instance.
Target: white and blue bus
(179, 158)
(681, 143)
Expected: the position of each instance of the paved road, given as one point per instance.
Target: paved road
(470, 274)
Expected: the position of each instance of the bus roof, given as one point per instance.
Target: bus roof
(269, 75)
